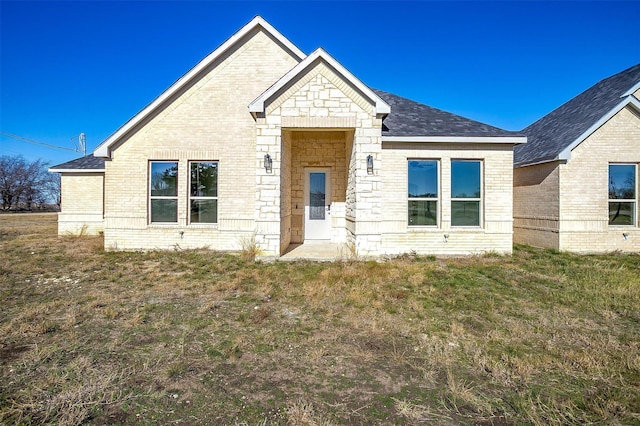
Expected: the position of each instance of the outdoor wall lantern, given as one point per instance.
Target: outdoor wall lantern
(268, 163)
(625, 236)
(370, 164)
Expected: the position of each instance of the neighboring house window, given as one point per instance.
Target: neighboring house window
(423, 193)
(466, 192)
(203, 195)
(622, 194)
(163, 190)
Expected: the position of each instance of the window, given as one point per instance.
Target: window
(465, 193)
(203, 195)
(163, 190)
(423, 193)
(622, 194)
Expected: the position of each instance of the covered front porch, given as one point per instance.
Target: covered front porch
(313, 186)
(320, 127)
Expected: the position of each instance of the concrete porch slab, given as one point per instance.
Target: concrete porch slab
(321, 251)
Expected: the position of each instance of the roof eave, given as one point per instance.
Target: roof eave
(54, 170)
(515, 140)
(103, 150)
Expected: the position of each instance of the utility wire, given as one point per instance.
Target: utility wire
(38, 143)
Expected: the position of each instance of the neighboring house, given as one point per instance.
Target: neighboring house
(576, 180)
(261, 141)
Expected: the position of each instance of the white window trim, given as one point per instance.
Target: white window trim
(478, 199)
(162, 197)
(437, 199)
(620, 200)
(190, 197)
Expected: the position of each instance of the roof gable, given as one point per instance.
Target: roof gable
(256, 24)
(553, 136)
(318, 56)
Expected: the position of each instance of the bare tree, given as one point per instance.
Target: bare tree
(22, 183)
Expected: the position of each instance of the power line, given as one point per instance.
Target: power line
(40, 143)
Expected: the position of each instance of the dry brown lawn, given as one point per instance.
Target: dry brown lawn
(199, 337)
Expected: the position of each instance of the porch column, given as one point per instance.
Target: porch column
(268, 142)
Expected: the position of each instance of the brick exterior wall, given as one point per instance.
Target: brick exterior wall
(584, 186)
(495, 231)
(578, 191)
(536, 203)
(207, 121)
(318, 120)
(81, 209)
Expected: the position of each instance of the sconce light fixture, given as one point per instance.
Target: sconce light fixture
(446, 238)
(370, 164)
(625, 236)
(268, 163)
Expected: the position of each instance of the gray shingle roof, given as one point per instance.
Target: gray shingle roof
(410, 118)
(549, 136)
(87, 163)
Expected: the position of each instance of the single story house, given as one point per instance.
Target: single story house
(261, 141)
(576, 181)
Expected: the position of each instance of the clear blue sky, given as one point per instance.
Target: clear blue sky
(71, 67)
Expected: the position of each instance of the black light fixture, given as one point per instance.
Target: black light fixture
(268, 163)
(370, 164)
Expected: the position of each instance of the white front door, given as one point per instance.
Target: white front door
(317, 203)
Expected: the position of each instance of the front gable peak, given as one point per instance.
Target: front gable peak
(195, 73)
(319, 56)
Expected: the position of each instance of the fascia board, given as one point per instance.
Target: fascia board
(102, 150)
(457, 139)
(54, 170)
(631, 91)
(565, 154)
(257, 106)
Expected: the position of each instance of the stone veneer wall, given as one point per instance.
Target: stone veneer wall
(206, 121)
(82, 202)
(494, 234)
(321, 99)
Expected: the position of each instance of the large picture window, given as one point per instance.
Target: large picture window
(466, 190)
(163, 191)
(623, 194)
(423, 193)
(203, 194)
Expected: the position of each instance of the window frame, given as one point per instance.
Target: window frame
(634, 201)
(191, 197)
(437, 199)
(151, 197)
(479, 199)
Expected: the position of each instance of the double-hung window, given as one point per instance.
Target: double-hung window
(203, 194)
(423, 193)
(466, 192)
(163, 191)
(623, 204)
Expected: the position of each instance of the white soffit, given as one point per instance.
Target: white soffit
(257, 106)
(103, 149)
